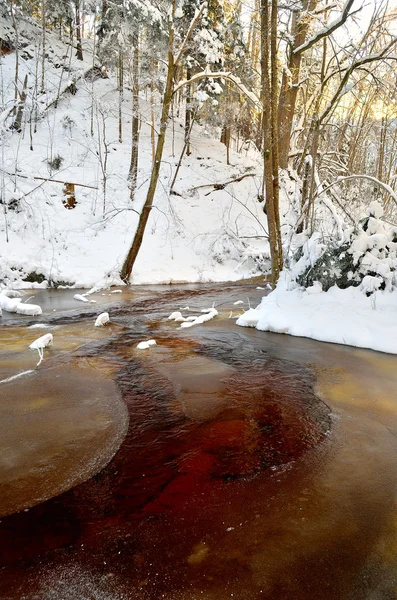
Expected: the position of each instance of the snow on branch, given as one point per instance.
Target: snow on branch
(385, 186)
(221, 75)
(327, 30)
(192, 26)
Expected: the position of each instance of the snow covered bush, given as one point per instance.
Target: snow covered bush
(367, 257)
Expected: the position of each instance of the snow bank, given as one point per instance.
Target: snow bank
(10, 303)
(338, 316)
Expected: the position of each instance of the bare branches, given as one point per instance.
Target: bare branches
(328, 29)
(355, 65)
(386, 187)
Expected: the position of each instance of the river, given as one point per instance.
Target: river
(221, 463)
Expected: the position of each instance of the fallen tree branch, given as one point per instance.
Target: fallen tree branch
(65, 182)
(221, 186)
(91, 187)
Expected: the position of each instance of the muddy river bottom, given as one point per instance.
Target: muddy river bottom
(221, 463)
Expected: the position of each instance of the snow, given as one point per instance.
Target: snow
(207, 315)
(327, 29)
(28, 309)
(339, 316)
(9, 304)
(80, 297)
(175, 315)
(102, 319)
(11, 294)
(10, 301)
(146, 345)
(17, 376)
(41, 343)
(201, 235)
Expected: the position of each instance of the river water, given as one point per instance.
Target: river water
(221, 463)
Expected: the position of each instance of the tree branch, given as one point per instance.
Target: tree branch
(358, 63)
(328, 29)
(190, 33)
(385, 186)
(220, 75)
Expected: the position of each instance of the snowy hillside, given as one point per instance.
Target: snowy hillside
(197, 234)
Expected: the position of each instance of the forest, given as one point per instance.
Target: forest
(199, 141)
(198, 299)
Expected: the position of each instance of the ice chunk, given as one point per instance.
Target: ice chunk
(28, 309)
(41, 343)
(146, 345)
(102, 319)
(143, 346)
(239, 302)
(175, 315)
(80, 297)
(207, 316)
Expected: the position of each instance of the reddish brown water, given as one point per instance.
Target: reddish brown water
(233, 481)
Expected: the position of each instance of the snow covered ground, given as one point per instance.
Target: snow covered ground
(198, 234)
(338, 316)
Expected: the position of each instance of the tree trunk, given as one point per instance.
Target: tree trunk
(44, 47)
(17, 125)
(102, 28)
(121, 93)
(271, 207)
(289, 85)
(16, 77)
(79, 48)
(133, 172)
(153, 69)
(188, 112)
(147, 207)
(274, 130)
(315, 145)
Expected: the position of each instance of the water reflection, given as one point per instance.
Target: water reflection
(234, 480)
